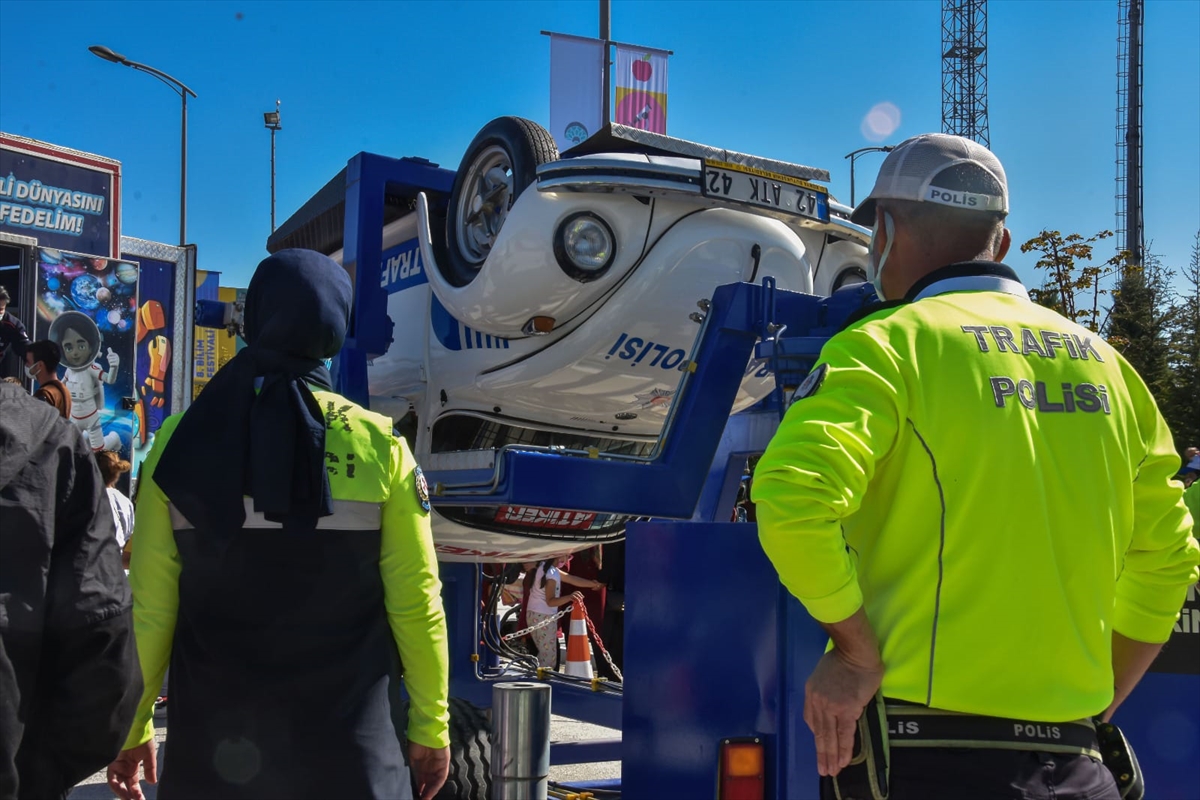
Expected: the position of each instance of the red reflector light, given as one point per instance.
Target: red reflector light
(743, 773)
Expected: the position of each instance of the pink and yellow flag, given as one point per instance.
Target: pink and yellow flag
(641, 88)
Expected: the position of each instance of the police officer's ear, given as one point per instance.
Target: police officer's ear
(1005, 243)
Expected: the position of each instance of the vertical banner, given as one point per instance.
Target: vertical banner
(641, 88)
(576, 88)
(214, 348)
(155, 352)
(204, 353)
(88, 306)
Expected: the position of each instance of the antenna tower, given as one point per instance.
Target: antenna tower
(1130, 233)
(964, 69)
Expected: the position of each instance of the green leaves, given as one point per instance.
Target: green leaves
(1072, 281)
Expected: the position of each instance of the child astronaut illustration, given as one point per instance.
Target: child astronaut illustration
(76, 333)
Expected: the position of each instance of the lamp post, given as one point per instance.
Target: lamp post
(183, 91)
(854, 156)
(271, 121)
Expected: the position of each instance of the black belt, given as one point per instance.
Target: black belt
(918, 726)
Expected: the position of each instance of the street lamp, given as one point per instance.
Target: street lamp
(183, 91)
(271, 121)
(854, 156)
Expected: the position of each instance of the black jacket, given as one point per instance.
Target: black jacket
(69, 674)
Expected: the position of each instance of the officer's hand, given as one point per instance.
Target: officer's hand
(834, 697)
(123, 773)
(430, 767)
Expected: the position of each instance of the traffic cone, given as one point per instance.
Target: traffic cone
(579, 651)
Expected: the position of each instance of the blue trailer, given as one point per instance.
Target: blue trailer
(716, 651)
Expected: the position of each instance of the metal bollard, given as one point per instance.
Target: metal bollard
(520, 741)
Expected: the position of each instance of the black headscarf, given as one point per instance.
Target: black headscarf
(269, 444)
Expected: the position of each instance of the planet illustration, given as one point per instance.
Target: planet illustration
(103, 295)
(50, 255)
(83, 291)
(127, 273)
(97, 264)
(52, 284)
(114, 317)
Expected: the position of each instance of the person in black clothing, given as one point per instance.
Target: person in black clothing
(14, 340)
(612, 630)
(69, 674)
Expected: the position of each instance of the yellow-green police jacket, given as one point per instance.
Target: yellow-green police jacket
(992, 482)
(283, 643)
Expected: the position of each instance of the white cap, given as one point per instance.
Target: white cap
(939, 168)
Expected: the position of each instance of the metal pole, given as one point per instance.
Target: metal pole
(853, 158)
(176, 86)
(272, 180)
(520, 741)
(605, 35)
(183, 177)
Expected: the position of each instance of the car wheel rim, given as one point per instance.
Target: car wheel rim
(483, 205)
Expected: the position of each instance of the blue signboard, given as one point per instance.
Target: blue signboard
(66, 201)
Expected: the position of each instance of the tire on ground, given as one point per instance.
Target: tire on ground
(470, 753)
(527, 145)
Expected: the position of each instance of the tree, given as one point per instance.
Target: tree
(1071, 289)
(1182, 408)
(1140, 323)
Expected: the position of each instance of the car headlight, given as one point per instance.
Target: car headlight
(584, 246)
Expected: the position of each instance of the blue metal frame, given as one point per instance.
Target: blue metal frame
(721, 650)
(669, 487)
(369, 178)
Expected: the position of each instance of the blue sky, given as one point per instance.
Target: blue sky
(789, 80)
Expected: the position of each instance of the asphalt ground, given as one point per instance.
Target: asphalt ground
(561, 730)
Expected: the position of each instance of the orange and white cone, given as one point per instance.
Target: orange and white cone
(579, 651)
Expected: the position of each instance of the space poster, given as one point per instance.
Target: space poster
(89, 307)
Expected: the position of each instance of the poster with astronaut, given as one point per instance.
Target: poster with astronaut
(89, 307)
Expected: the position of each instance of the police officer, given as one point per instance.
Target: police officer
(284, 566)
(973, 496)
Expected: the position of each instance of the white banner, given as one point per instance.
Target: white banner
(576, 88)
(641, 88)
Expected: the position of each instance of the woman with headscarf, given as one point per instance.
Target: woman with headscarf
(285, 569)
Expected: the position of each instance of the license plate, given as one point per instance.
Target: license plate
(763, 189)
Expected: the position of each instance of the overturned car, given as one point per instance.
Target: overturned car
(546, 300)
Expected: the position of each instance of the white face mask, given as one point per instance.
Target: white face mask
(30, 372)
(876, 267)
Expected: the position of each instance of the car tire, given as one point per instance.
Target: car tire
(470, 753)
(499, 165)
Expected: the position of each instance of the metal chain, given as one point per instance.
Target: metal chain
(591, 627)
(510, 636)
(603, 652)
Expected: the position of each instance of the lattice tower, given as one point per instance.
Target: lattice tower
(964, 69)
